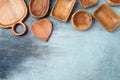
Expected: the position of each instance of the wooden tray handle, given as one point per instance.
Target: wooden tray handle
(21, 33)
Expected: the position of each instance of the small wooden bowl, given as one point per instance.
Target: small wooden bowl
(81, 20)
(39, 8)
(114, 2)
(87, 3)
(62, 9)
(107, 17)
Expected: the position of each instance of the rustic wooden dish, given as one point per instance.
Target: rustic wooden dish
(39, 8)
(81, 20)
(62, 9)
(42, 29)
(87, 3)
(114, 2)
(107, 17)
(12, 12)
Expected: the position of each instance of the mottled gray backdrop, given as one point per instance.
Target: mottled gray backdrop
(69, 54)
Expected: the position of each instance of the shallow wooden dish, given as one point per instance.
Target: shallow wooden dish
(114, 2)
(62, 9)
(12, 12)
(107, 17)
(87, 3)
(42, 29)
(81, 20)
(39, 8)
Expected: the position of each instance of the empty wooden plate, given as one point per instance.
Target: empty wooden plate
(62, 9)
(42, 29)
(81, 20)
(87, 3)
(114, 2)
(39, 8)
(12, 12)
(107, 17)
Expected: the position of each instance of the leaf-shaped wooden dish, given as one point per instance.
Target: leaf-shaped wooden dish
(107, 17)
(62, 9)
(39, 8)
(87, 3)
(12, 12)
(81, 20)
(114, 2)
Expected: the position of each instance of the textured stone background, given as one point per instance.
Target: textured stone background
(69, 55)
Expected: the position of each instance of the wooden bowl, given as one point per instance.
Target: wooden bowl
(107, 17)
(62, 9)
(114, 2)
(39, 8)
(87, 3)
(81, 20)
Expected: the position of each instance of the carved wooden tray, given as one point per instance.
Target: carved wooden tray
(87, 3)
(62, 9)
(107, 17)
(12, 12)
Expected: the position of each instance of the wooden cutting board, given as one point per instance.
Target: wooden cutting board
(13, 12)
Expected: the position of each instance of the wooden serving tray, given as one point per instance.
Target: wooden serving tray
(62, 9)
(12, 12)
(107, 17)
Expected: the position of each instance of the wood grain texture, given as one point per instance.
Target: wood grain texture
(87, 3)
(114, 2)
(107, 17)
(62, 9)
(39, 8)
(12, 12)
(81, 20)
(68, 55)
